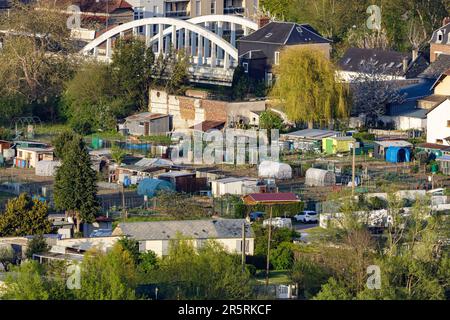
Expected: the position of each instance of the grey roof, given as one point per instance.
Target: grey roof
(392, 143)
(175, 174)
(445, 32)
(253, 54)
(437, 68)
(317, 134)
(195, 229)
(285, 33)
(415, 113)
(388, 62)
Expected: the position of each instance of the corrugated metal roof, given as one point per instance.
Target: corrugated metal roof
(396, 143)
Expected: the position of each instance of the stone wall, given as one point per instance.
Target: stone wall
(189, 111)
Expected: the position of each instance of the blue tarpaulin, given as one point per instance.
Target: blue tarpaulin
(398, 154)
(150, 187)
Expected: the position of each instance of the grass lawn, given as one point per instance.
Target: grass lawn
(275, 277)
(47, 132)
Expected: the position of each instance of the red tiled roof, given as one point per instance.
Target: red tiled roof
(272, 197)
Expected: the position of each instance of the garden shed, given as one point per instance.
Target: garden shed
(444, 164)
(274, 170)
(398, 154)
(319, 178)
(333, 145)
(47, 168)
(150, 187)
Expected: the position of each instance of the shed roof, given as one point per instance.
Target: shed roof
(394, 143)
(315, 134)
(271, 198)
(195, 229)
(146, 116)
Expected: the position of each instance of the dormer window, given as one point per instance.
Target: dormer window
(440, 36)
(268, 35)
(348, 61)
(299, 30)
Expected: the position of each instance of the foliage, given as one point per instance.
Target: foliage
(179, 206)
(118, 154)
(33, 68)
(207, 273)
(333, 290)
(61, 143)
(24, 216)
(178, 80)
(37, 244)
(282, 257)
(7, 256)
(243, 85)
(306, 88)
(270, 120)
(278, 236)
(75, 183)
(108, 276)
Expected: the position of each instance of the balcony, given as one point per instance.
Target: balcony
(233, 10)
(177, 14)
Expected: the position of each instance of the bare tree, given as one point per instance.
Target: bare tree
(373, 89)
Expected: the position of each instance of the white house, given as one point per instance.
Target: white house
(438, 124)
(158, 235)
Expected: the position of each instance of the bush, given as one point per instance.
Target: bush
(283, 256)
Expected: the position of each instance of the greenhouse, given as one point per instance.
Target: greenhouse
(150, 187)
(319, 178)
(274, 170)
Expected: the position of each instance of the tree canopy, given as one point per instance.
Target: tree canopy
(306, 88)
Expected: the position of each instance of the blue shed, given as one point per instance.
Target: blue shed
(398, 154)
(150, 187)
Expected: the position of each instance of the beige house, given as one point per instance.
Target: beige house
(29, 157)
(157, 236)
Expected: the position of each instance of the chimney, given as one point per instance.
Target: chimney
(262, 21)
(446, 21)
(405, 64)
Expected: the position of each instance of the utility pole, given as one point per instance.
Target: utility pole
(269, 239)
(243, 247)
(353, 169)
(124, 209)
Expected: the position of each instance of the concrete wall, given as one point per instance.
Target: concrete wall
(103, 243)
(437, 124)
(188, 111)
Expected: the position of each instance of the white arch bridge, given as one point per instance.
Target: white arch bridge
(212, 55)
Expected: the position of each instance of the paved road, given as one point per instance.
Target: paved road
(304, 227)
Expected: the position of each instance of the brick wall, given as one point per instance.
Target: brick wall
(438, 48)
(215, 110)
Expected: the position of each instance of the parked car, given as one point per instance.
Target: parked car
(307, 216)
(255, 216)
(279, 223)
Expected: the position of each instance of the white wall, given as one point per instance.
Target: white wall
(437, 123)
(148, 6)
(406, 123)
(161, 247)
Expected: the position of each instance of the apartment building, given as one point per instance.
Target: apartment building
(185, 9)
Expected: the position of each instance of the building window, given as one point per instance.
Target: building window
(141, 124)
(155, 11)
(138, 15)
(277, 57)
(448, 123)
(245, 66)
(213, 6)
(440, 36)
(198, 8)
(439, 141)
(239, 247)
(269, 79)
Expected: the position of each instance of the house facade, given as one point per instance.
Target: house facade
(440, 41)
(438, 124)
(29, 157)
(159, 235)
(261, 50)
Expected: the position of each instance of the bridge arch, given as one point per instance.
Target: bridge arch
(200, 37)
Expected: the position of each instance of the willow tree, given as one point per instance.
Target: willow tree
(306, 87)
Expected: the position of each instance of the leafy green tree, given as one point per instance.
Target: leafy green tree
(24, 216)
(270, 120)
(108, 276)
(118, 154)
(148, 262)
(131, 70)
(37, 244)
(7, 256)
(61, 143)
(75, 184)
(206, 273)
(241, 84)
(333, 290)
(26, 283)
(132, 246)
(282, 257)
(306, 87)
(309, 276)
(178, 80)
